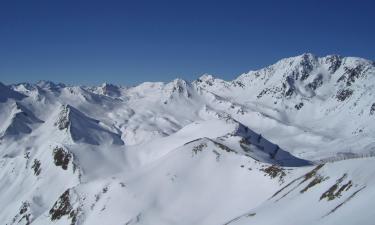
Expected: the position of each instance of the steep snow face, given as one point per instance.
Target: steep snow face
(19, 120)
(297, 136)
(8, 93)
(84, 129)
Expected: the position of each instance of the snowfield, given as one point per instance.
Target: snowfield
(291, 144)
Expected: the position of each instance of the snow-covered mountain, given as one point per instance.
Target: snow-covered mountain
(292, 143)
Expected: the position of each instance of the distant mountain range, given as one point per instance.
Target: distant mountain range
(292, 143)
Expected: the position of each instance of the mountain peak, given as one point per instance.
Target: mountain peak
(177, 88)
(110, 89)
(20, 121)
(50, 85)
(83, 128)
(6, 92)
(307, 55)
(206, 77)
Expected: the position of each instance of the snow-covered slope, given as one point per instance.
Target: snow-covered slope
(332, 193)
(84, 129)
(288, 144)
(17, 120)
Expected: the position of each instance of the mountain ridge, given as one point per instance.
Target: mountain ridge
(296, 135)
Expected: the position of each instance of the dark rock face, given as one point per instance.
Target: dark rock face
(289, 92)
(63, 120)
(239, 84)
(372, 110)
(317, 82)
(181, 88)
(199, 148)
(274, 91)
(317, 180)
(24, 216)
(307, 66)
(343, 94)
(61, 157)
(111, 90)
(290, 81)
(63, 207)
(36, 167)
(299, 106)
(274, 171)
(351, 74)
(263, 92)
(335, 62)
(335, 190)
(208, 82)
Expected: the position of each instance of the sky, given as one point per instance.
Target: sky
(129, 42)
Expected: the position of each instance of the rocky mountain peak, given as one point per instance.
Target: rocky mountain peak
(6, 92)
(110, 90)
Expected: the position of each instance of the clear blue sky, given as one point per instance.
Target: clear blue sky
(128, 42)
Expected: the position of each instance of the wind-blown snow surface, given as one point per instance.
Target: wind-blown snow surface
(288, 144)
